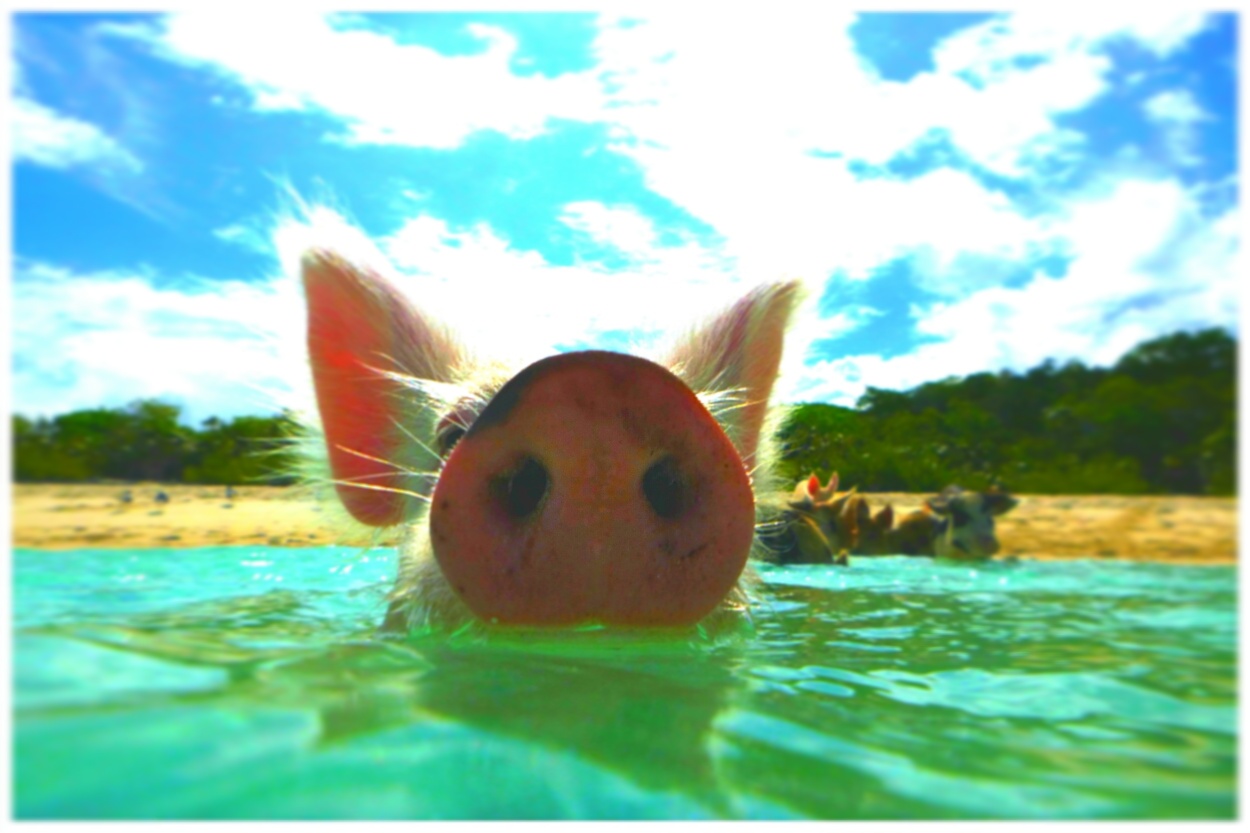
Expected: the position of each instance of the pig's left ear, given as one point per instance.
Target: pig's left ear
(801, 497)
(362, 334)
(740, 350)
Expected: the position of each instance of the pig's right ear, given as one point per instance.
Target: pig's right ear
(361, 329)
(740, 350)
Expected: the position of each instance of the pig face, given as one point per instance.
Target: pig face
(969, 531)
(587, 487)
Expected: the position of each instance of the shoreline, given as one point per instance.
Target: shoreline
(1155, 528)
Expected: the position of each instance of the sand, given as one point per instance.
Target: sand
(1181, 530)
(1165, 528)
(48, 516)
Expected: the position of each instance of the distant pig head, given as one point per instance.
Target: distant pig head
(812, 527)
(587, 487)
(969, 531)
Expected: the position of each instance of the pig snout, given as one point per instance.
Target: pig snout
(594, 487)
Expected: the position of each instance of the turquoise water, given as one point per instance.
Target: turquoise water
(249, 683)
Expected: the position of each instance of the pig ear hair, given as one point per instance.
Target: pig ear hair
(377, 364)
(801, 497)
(735, 358)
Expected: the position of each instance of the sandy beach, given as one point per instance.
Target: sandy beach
(1180, 530)
(52, 516)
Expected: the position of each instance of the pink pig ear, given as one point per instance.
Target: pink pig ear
(828, 491)
(801, 497)
(360, 328)
(740, 349)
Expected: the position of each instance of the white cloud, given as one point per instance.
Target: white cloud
(245, 236)
(1144, 263)
(1042, 31)
(621, 227)
(961, 235)
(512, 301)
(515, 305)
(1176, 106)
(726, 132)
(383, 91)
(86, 340)
(42, 136)
(758, 143)
(752, 127)
(1178, 114)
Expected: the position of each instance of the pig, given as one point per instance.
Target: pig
(809, 491)
(954, 524)
(586, 487)
(811, 528)
(869, 533)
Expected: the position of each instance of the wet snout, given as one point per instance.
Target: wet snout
(594, 487)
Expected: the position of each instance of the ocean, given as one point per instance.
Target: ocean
(251, 683)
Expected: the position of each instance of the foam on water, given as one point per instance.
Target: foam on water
(250, 682)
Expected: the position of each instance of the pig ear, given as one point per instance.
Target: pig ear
(998, 502)
(885, 518)
(801, 497)
(740, 350)
(862, 511)
(849, 516)
(361, 330)
(941, 503)
(827, 491)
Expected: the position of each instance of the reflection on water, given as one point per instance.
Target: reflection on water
(217, 688)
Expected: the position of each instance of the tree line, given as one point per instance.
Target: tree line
(146, 441)
(1161, 420)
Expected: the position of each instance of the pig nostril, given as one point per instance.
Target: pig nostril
(664, 488)
(523, 489)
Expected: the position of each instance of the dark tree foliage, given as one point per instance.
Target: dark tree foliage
(1162, 420)
(145, 441)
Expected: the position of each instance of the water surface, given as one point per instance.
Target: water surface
(250, 682)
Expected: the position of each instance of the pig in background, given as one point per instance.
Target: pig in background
(820, 525)
(810, 527)
(587, 487)
(955, 524)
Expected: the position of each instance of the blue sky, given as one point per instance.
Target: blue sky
(960, 192)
